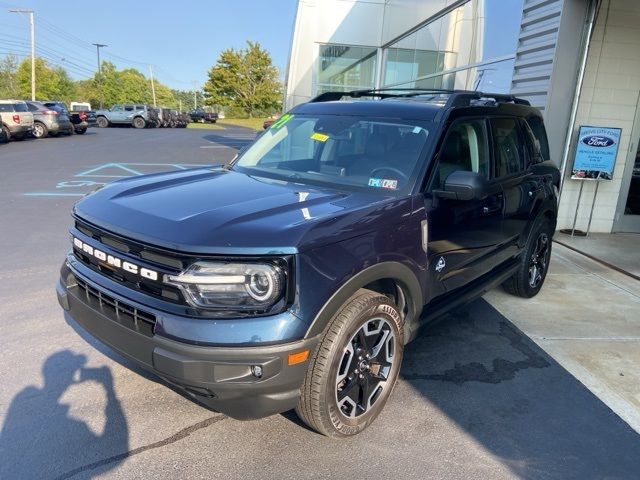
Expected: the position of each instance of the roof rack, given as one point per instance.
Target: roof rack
(457, 98)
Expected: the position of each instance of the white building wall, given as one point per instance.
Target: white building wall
(609, 97)
(345, 22)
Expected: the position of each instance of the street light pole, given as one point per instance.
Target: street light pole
(33, 49)
(98, 47)
(153, 87)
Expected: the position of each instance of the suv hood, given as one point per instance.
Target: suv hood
(219, 211)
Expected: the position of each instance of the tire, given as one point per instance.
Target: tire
(534, 263)
(339, 370)
(40, 130)
(19, 136)
(139, 122)
(102, 122)
(81, 131)
(6, 134)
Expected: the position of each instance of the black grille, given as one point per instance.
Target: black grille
(117, 310)
(140, 255)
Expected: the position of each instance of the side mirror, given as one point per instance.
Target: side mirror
(463, 185)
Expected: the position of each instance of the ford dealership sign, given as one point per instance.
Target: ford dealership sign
(596, 153)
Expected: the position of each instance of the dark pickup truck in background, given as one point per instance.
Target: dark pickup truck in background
(200, 116)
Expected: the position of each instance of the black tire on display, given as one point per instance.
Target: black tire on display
(40, 130)
(139, 122)
(534, 263)
(354, 368)
(81, 131)
(102, 122)
(19, 136)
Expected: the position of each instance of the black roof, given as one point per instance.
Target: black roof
(415, 104)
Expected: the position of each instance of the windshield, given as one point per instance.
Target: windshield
(335, 150)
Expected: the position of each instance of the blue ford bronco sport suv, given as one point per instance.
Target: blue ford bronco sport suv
(294, 276)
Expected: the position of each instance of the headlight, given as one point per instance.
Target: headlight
(231, 286)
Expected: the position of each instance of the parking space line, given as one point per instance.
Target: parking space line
(53, 194)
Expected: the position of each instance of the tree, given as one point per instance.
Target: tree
(8, 81)
(245, 79)
(51, 83)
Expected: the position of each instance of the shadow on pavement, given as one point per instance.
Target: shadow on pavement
(40, 440)
(516, 401)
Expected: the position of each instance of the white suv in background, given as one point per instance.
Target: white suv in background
(17, 120)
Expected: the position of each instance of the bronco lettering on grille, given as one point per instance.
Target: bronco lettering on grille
(115, 261)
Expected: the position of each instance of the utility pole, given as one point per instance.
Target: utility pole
(195, 99)
(153, 87)
(98, 47)
(180, 106)
(33, 49)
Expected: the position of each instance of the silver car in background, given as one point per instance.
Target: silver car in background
(49, 120)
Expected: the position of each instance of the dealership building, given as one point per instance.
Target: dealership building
(576, 60)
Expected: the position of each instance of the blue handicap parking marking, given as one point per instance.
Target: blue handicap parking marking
(89, 179)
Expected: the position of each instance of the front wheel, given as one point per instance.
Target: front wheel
(81, 131)
(102, 122)
(534, 263)
(355, 367)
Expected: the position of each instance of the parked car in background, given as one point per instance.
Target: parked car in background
(200, 116)
(136, 115)
(270, 121)
(17, 120)
(80, 106)
(49, 120)
(81, 120)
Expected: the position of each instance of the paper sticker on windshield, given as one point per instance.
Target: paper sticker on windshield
(281, 121)
(320, 137)
(387, 183)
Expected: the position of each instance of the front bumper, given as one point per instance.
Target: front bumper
(220, 377)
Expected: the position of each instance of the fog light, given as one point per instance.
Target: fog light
(256, 371)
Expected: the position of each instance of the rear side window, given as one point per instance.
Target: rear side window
(464, 149)
(128, 108)
(20, 107)
(537, 128)
(32, 107)
(508, 146)
(6, 107)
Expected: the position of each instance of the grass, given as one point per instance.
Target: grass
(206, 126)
(253, 123)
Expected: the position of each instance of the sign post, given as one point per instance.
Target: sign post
(595, 160)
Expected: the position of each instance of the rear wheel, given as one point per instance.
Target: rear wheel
(5, 135)
(40, 130)
(355, 367)
(139, 122)
(19, 136)
(102, 122)
(534, 263)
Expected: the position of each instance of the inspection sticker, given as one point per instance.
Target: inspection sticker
(281, 121)
(387, 183)
(321, 137)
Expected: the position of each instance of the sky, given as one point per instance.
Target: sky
(182, 40)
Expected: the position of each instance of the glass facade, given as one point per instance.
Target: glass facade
(471, 47)
(345, 68)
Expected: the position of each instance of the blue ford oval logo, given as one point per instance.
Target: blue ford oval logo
(598, 141)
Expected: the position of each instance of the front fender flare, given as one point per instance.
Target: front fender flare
(398, 272)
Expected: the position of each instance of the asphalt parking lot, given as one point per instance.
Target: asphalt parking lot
(476, 398)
